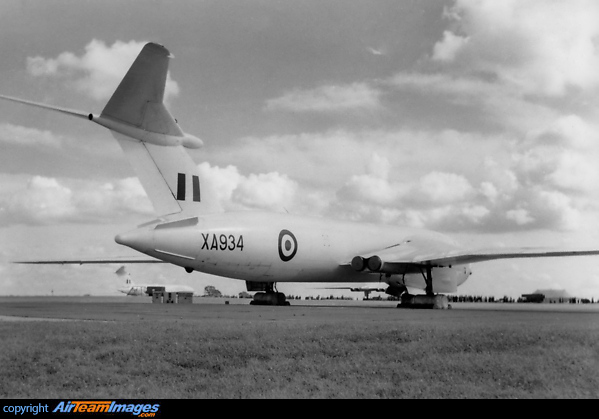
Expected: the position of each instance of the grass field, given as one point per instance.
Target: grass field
(125, 350)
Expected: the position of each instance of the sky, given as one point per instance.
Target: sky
(474, 118)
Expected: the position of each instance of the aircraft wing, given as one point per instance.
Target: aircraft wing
(465, 257)
(410, 257)
(87, 261)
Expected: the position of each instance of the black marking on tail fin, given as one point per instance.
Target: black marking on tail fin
(196, 188)
(181, 187)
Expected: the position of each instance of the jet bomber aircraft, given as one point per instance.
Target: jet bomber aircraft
(263, 248)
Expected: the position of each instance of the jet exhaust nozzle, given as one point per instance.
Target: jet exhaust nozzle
(375, 264)
(358, 263)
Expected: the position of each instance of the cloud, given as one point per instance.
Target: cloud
(229, 190)
(569, 130)
(378, 51)
(266, 190)
(447, 49)
(485, 100)
(435, 199)
(446, 180)
(444, 188)
(329, 98)
(28, 137)
(542, 47)
(97, 72)
(520, 216)
(43, 200)
(40, 200)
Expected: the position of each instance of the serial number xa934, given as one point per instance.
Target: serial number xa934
(222, 242)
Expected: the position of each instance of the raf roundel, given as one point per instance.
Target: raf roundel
(287, 245)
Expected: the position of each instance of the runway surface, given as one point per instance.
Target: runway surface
(15, 308)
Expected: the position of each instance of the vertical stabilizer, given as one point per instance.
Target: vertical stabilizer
(168, 175)
(150, 137)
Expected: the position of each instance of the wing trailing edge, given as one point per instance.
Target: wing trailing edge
(482, 255)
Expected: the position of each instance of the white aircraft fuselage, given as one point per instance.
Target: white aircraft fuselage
(276, 247)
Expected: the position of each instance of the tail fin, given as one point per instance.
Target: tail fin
(150, 136)
(122, 272)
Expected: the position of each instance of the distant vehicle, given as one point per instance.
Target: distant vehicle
(130, 288)
(533, 298)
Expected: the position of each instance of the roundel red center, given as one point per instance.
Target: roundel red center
(287, 245)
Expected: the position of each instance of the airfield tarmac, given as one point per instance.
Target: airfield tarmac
(122, 308)
(322, 349)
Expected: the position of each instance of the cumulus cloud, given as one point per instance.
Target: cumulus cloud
(433, 200)
(447, 180)
(373, 186)
(330, 98)
(265, 190)
(570, 131)
(542, 47)
(40, 200)
(486, 100)
(25, 136)
(229, 190)
(444, 187)
(447, 49)
(97, 72)
(520, 216)
(528, 68)
(44, 201)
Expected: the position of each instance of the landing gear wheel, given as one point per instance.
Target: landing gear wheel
(438, 301)
(269, 299)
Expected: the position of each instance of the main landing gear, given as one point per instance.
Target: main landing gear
(268, 295)
(428, 301)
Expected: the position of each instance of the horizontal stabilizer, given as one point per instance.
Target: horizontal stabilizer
(70, 112)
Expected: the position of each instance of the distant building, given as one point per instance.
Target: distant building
(548, 296)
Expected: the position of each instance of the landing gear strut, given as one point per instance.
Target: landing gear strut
(268, 297)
